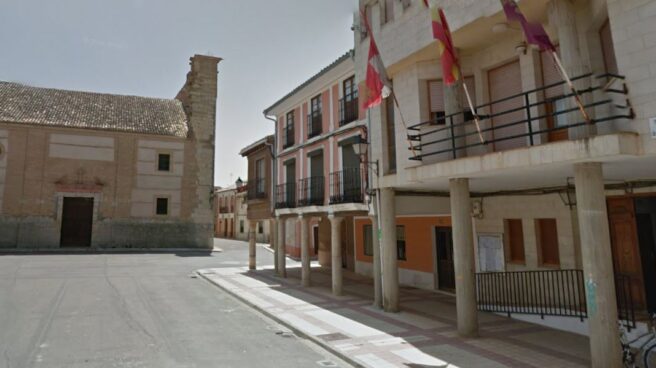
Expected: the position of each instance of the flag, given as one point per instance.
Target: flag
(448, 56)
(377, 85)
(534, 32)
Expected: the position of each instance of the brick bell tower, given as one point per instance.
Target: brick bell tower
(198, 97)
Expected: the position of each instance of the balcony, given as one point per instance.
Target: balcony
(288, 137)
(224, 209)
(314, 124)
(311, 191)
(286, 195)
(348, 186)
(547, 293)
(348, 111)
(257, 189)
(522, 120)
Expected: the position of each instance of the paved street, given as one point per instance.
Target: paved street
(137, 310)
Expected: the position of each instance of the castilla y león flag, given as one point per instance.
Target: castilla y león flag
(534, 32)
(448, 57)
(377, 85)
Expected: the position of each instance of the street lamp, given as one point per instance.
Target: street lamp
(239, 182)
(361, 147)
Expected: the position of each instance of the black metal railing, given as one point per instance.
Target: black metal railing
(288, 137)
(286, 195)
(546, 293)
(452, 135)
(348, 186)
(311, 191)
(257, 189)
(314, 124)
(348, 111)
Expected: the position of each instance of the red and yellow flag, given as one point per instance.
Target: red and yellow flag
(448, 56)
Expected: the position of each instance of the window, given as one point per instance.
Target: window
(514, 241)
(241, 226)
(388, 11)
(288, 136)
(350, 91)
(368, 240)
(162, 207)
(315, 119)
(348, 105)
(260, 180)
(164, 162)
(260, 228)
(436, 101)
(547, 240)
(400, 242)
(390, 129)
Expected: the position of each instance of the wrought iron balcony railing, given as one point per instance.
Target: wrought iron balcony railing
(286, 195)
(546, 293)
(314, 124)
(348, 186)
(348, 111)
(257, 189)
(311, 191)
(524, 119)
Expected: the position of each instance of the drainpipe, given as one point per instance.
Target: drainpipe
(272, 152)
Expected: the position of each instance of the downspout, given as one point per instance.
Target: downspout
(272, 152)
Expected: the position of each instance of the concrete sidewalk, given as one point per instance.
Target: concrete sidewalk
(422, 335)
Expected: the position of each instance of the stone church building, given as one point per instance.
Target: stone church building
(81, 169)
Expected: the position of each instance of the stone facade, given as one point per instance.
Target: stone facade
(42, 165)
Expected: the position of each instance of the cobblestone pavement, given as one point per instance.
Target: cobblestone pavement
(422, 335)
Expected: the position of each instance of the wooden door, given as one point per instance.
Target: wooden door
(444, 251)
(315, 238)
(624, 245)
(77, 221)
(506, 81)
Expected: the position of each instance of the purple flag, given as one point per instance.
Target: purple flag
(534, 32)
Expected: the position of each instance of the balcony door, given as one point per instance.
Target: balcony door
(506, 81)
(352, 181)
(290, 182)
(316, 179)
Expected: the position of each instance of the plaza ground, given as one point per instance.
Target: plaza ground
(137, 310)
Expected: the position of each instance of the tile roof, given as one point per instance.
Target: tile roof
(87, 110)
(346, 56)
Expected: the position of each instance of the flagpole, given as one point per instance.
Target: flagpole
(577, 97)
(471, 107)
(405, 126)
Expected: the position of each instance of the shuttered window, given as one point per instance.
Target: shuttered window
(547, 240)
(436, 101)
(514, 241)
(608, 48)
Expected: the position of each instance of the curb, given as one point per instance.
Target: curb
(284, 323)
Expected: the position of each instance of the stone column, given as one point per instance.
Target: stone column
(273, 241)
(563, 19)
(463, 254)
(336, 252)
(378, 285)
(305, 252)
(389, 263)
(281, 246)
(251, 245)
(597, 265)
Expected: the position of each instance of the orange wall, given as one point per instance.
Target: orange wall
(418, 240)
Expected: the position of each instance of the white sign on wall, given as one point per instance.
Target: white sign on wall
(490, 253)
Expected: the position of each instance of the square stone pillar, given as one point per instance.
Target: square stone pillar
(305, 252)
(251, 245)
(378, 285)
(390, 267)
(597, 266)
(282, 251)
(463, 254)
(336, 253)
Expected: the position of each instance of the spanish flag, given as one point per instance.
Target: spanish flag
(448, 56)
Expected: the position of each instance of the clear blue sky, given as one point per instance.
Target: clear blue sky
(142, 47)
